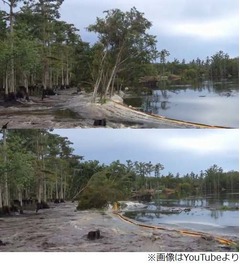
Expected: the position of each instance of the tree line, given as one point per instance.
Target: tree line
(39, 52)
(38, 166)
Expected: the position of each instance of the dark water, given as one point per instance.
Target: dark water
(205, 215)
(208, 103)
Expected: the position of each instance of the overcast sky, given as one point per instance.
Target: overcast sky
(186, 28)
(180, 150)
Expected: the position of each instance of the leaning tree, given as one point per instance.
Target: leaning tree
(123, 38)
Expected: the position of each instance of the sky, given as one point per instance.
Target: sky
(178, 150)
(186, 28)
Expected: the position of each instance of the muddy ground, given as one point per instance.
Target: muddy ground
(70, 109)
(62, 228)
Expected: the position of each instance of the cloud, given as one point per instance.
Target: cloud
(180, 150)
(209, 143)
(207, 30)
(188, 29)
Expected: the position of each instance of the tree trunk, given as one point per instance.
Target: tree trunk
(96, 86)
(1, 201)
(113, 82)
(12, 72)
(61, 185)
(6, 85)
(56, 187)
(67, 74)
(51, 192)
(39, 197)
(114, 71)
(20, 199)
(45, 190)
(25, 81)
(50, 78)
(64, 187)
(62, 75)
(6, 193)
(99, 79)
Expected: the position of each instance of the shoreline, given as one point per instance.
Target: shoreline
(71, 110)
(63, 229)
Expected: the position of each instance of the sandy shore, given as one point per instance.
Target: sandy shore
(64, 229)
(72, 110)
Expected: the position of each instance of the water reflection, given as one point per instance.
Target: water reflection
(207, 102)
(205, 214)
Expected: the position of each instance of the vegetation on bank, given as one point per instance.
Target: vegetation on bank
(40, 52)
(39, 166)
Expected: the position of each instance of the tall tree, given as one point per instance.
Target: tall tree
(163, 54)
(123, 37)
(10, 87)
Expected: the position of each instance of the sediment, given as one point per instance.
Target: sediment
(71, 110)
(63, 229)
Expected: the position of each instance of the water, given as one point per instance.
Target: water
(209, 103)
(204, 215)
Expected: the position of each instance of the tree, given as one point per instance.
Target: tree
(10, 87)
(122, 39)
(45, 13)
(163, 54)
(212, 178)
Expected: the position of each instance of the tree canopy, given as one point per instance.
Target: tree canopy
(39, 51)
(41, 165)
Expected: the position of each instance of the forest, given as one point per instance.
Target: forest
(40, 53)
(38, 167)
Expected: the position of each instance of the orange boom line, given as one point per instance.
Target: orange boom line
(185, 232)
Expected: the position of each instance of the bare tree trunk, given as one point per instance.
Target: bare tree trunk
(113, 82)
(44, 190)
(1, 201)
(6, 193)
(39, 197)
(56, 187)
(20, 199)
(45, 76)
(67, 74)
(6, 84)
(12, 72)
(62, 75)
(50, 78)
(114, 71)
(25, 82)
(61, 185)
(56, 81)
(99, 79)
(96, 87)
(64, 187)
(39, 180)
(51, 192)
(110, 80)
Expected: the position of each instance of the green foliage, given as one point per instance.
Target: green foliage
(36, 47)
(39, 163)
(123, 44)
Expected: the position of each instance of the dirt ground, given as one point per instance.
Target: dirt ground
(63, 229)
(70, 109)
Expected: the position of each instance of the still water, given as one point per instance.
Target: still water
(203, 216)
(208, 103)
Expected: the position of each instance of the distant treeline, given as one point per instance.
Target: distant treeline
(40, 166)
(40, 52)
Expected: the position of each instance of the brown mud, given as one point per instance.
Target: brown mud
(62, 228)
(69, 109)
